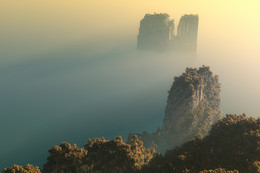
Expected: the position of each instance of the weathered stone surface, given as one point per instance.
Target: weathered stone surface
(193, 105)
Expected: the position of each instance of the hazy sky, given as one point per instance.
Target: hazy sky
(30, 26)
(61, 61)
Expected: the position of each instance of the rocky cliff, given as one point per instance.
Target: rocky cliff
(193, 106)
(187, 33)
(157, 33)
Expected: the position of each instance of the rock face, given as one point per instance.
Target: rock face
(233, 143)
(157, 33)
(99, 155)
(193, 105)
(187, 32)
(22, 169)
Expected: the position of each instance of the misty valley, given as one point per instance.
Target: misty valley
(153, 106)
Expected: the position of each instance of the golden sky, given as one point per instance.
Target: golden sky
(44, 24)
(46, 30)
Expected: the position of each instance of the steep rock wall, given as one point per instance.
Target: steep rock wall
(187, 33)
(157, 33)
(193, 106)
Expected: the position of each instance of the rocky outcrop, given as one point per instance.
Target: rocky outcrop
(233, 143)
(99, 155)
(22, 169)
(193, 106)
(157, 33)
(187, 32)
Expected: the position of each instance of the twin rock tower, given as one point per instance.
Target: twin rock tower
(157, 33)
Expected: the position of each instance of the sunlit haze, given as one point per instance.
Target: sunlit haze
(70, 69)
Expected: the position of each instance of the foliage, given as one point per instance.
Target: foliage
(233, 143)
(22, 169)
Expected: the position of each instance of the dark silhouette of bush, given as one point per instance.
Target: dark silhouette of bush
(117, 156)
(232, 144)
(99, 155)
(66, 158)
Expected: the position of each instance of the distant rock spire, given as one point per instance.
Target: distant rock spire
(186, 39)
(157, 33)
